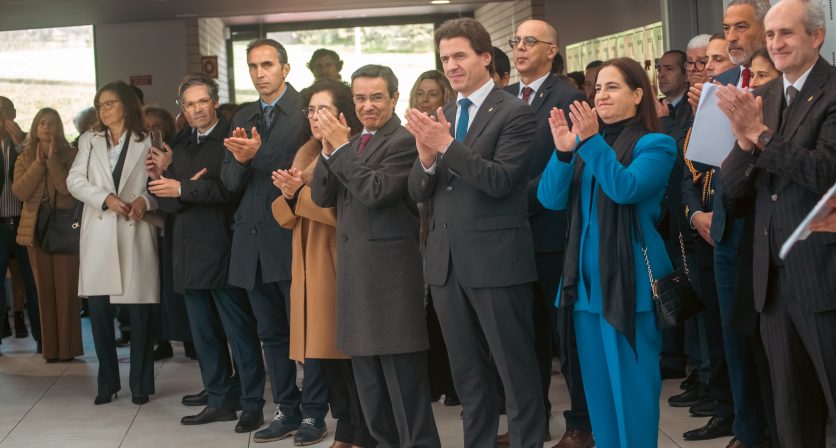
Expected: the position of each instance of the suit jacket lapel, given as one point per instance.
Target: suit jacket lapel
(378, 138)
(773, 100)
(542, 95)
(483, 116)
(450, 115)
(811, 92)
(135, 150)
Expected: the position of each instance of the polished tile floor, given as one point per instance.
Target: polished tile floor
(51, 405)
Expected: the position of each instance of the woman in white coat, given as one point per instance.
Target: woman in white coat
(118, 250)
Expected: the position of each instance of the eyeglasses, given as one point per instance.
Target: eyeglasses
(529, 42)
(107, 105)
(311, 110)
(697, 65)
(377, 98)
(194, 105)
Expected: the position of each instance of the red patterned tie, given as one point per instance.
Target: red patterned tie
(364, 140)
(526, 92)
(746, 75)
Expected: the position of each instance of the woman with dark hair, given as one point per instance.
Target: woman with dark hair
(430, 91)
(118, 250)
(41, 176)
(160, 120)
(611, 179)
(763, 69)
(313, 290)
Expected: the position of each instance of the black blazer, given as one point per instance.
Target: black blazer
(787, 179)
(12, 159)
(548, 227)
(202, 234)
(258, 238)
(480, 198)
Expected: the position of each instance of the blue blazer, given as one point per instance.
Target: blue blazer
(641, 183)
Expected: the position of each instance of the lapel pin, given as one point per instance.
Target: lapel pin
(810, 99)
(541, 94)
(491, 109)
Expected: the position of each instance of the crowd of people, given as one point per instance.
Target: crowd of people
(456, 253)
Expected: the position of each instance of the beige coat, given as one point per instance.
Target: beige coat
(118, 256)
(30, 178)
(313, 290)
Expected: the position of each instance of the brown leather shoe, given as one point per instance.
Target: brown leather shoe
(503, 441)
(576, 439)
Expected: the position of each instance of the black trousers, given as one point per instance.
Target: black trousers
(438, 361)
(141, 378)
(481, 324)
(8, 249)
(345, 404)
(394, 393)
(799, 345)
(233, 322)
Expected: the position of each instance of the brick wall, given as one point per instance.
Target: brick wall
(205, 37)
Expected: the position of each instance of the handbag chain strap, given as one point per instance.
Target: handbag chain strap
(647, 258)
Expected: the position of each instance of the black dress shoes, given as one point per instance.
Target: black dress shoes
(706, 407)
(199, 399)
(692, 381)
(686, 399)
(249, 421)
(103, 399)
(209, 415)
(716, 427)
(163, 350)
(139, 399)
(124, 340)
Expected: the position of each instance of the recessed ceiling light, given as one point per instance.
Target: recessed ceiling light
(439, 2)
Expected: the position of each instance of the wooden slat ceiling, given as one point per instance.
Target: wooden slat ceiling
(25, 14)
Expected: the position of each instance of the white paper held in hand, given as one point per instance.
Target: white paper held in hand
(803, 230)
(711, 136)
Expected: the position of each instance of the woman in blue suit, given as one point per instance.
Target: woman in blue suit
(612, 179)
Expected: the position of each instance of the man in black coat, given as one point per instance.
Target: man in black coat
(784, 158)
(191, 189)
(265, 137)
(535, 46)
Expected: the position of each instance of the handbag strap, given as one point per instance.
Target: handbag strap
(647, 258)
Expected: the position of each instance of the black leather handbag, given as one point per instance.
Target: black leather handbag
(674, 298)
(58, 230)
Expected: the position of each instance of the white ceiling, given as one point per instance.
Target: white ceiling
(25, 14)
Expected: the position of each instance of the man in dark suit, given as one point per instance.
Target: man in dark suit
(480, 257)
(784, 157)
(380, 292)
(191, 191)
(535, 46)
(261, 250)
(11, 139)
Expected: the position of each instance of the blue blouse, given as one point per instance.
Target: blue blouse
(642, 183)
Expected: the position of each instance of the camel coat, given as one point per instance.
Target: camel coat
(118, 256)
(313, 289)
(31, 177)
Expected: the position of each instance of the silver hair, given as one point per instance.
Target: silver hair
(698, 41)
(85, 120)
(760, 6)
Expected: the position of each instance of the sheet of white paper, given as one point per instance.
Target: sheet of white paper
(711, 137)
(803, 230)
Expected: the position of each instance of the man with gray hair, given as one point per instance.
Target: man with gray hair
(191, 190)
(782, 163)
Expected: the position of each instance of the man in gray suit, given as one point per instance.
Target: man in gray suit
(480, 255)
(261, 250)
(380, 292)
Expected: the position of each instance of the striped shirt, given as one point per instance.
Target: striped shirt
(9, 205)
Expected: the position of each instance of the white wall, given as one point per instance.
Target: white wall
(147, 48)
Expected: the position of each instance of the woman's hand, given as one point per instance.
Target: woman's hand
(289, 181)
(116, 204)
(584, 120)
(137, 209)
(564, 139)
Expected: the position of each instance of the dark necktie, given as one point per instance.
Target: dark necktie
(200, 138)
(792, 92)
(526, 93)
(269, 112)
(746, 75)
(464, 118)
(364, 140)
(671, 110)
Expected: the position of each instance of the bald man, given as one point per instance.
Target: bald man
(534, 47)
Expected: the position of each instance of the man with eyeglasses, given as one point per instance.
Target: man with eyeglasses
(265, 137)
(191, 190)
(380, 291)
(473, 163)
(534, 47)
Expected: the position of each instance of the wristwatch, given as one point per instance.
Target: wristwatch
(765, 138)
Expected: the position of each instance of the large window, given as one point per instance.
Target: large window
(50, 67)
(407, 49)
